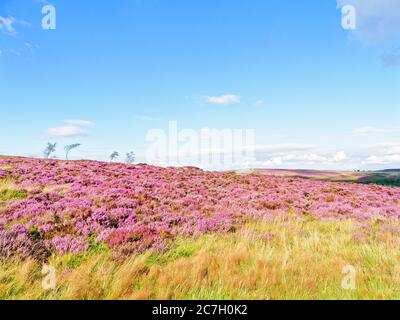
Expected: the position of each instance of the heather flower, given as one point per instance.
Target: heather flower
(135, 208)
(3, 174)
(20, 229)
(69, 244)
(17, 244)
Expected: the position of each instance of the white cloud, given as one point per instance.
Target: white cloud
(301, 159)
(383, 159)
(339, 156)
(68, 131)
(78, 122)
(386, 148)
(223, 100)
(384, 153)
(377, 20)
(277, 155)
(314, 157)
(364, 131)
(283, 147)
(71, 129)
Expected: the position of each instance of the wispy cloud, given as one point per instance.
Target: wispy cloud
(301, 160)
(386, 148)
(297, 154)
(226, 99)
(67, 131)
(79, 122)
(71, 129)
(315, 157)
(383, 154)
(365, 131)
(383, 159)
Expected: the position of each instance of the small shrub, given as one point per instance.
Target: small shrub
(34, 233)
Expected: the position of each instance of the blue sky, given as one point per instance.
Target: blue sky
(317, 96)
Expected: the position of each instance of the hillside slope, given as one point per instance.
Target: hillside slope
(116, 231)
(65, 205)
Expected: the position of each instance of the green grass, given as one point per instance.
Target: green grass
(12, 194)
(8, 191)
(182, 249)
(382, 178)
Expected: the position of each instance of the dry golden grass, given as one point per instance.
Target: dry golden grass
(290, 258)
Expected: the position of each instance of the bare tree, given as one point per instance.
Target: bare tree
(69, 148)
(130, 157)
(114, 156)
(50, 148)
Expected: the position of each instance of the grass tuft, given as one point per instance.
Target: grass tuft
(11, 194)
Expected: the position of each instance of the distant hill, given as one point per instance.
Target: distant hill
(389, 177)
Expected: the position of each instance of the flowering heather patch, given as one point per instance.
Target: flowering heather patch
(17, 243)
(3, 174)
(137, 207)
